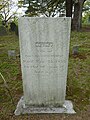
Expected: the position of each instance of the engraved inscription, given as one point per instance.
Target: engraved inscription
(41, 63)
(46, 62)
(44, 44)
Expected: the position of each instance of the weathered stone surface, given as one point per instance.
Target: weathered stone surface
(44, 46)
(22, 109)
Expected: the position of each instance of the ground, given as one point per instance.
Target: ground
(78, 83)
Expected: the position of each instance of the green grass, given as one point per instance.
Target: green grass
(10, 68)
(78, 83)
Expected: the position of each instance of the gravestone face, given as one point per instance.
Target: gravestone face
(44, 48)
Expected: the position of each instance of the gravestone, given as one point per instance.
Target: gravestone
(12, 26)
(11, 54)
(75, 50)
(3, 31)
(44, 49)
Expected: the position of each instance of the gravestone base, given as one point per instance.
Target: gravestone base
(22, 109)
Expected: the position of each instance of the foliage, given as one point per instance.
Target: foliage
(46, 8)
(86, 12)
(86, 5)
(86, 18)
(6, 10)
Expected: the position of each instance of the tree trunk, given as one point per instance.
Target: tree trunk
(68, 8)
(77, 18)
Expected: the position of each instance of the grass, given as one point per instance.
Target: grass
(78, 87)
(9, 68)
(78, 83)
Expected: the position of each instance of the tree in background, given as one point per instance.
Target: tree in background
(1, 5)
(33, 8)
(48, 8)
(77, 16)
(69, 6)
(6, 7)
(57, 8)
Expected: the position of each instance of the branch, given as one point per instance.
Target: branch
(7, 88)
(7, 13)
(11, 15)
(3, 6)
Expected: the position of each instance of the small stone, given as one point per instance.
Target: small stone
(75, 50)
(11, 54)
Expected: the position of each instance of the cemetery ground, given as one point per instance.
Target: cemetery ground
(78, 83)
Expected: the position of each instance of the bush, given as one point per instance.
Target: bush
(12, 26)
(16, 30)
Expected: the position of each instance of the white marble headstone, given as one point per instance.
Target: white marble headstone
(44, 49)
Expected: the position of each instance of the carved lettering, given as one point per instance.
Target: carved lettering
(44, 44)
